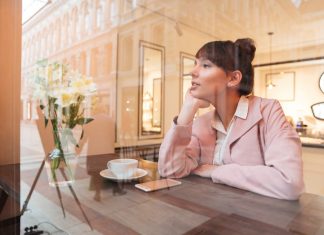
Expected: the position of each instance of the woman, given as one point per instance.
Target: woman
(246, 142)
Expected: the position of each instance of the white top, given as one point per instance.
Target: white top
(222, 134)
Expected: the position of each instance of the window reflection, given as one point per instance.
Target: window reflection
(151, 89)
(187, 63)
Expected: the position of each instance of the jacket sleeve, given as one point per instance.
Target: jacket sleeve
(179, 152)
(282, 175)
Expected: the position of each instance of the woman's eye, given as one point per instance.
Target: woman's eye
(206, 65)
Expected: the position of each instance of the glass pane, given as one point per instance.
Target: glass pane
(138, 54)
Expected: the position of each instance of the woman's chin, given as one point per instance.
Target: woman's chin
(194, 90)
(195, 93)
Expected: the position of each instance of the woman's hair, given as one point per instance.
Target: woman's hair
(231, 56)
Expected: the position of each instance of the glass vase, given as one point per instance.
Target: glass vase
(61, 162)
(62, 173)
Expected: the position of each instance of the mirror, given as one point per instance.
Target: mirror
(318, 110)
(187, 63)
(151, 90)
(321, 82)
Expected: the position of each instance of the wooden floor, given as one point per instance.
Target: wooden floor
(46, 213)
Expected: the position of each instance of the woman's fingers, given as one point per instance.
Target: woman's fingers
(198, 103)
(204, 170)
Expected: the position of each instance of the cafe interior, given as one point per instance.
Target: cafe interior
(122, 68)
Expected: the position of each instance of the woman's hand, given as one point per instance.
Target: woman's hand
(189, 108)
(195, 102)
(204, 170)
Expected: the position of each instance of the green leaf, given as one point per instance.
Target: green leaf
(72, 125)
(83, 121)
(51, 99)
(82, 133)
(87, 120)
(55, 163)
(65, 111)
(43, 62)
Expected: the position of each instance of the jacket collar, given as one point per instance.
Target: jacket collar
(241, 112)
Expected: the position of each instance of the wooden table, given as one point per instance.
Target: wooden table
(197, 206)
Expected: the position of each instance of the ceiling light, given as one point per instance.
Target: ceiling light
(270, 84)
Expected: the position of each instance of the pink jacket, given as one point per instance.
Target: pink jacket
(263, 152)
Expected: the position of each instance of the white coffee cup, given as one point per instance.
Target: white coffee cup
(123, 168)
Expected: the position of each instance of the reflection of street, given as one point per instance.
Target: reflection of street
(31, 148)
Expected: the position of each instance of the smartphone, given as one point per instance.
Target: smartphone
(157, 184)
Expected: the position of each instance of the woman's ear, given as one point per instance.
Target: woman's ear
(235, 78)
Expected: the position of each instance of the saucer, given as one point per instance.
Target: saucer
(109, 175)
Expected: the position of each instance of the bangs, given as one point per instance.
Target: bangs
(219, 53)
(207, 52)
(201, 53)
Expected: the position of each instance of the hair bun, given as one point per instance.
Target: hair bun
(247, 47)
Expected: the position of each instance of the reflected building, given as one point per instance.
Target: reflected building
(105, 39)
(82, 34)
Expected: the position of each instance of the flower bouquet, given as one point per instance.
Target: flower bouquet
(64, 97)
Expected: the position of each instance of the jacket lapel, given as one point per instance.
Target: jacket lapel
(241, 126)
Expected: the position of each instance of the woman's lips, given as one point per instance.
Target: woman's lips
(194, 85)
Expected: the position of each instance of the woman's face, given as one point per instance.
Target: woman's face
(208, 80)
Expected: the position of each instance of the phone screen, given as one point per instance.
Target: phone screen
(157, 184)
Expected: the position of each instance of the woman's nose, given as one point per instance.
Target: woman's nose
(194, 71)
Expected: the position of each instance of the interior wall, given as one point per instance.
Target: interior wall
(307, 91)
(291, 54)
(10, 65)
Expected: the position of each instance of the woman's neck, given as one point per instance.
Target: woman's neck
(226, 106)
